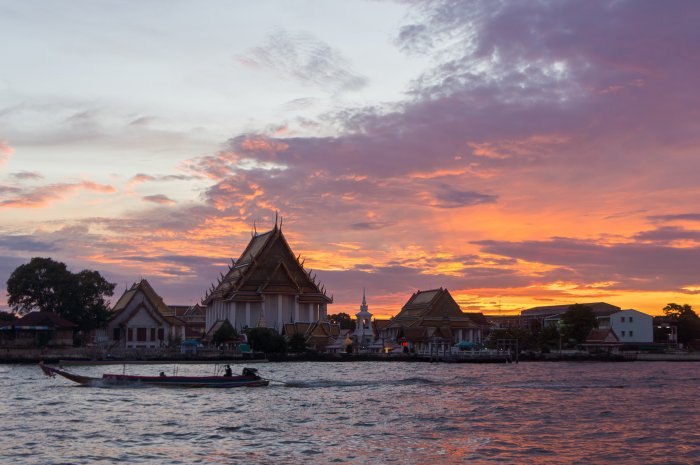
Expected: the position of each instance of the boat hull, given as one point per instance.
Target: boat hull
(187, 381)
(162, 381)
(52, 371)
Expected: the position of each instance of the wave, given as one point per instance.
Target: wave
(324, 383)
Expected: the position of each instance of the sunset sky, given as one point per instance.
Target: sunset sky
(517, 153)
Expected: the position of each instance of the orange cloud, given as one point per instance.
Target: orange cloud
(46, 195)
(504, 149)
(260, 144)
(139, 178)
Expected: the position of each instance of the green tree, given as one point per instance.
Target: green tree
(91, 310)
(225, 333)
(297, 343)
(578, 321)
(266, 340)
(525, 337)
(343, 319)
(548, 338)
(47, 286)
(676, 311)
(42, 284)
(686, 320)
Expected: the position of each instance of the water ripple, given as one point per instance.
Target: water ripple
(357, 413)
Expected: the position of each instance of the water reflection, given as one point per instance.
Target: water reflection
(363, 413)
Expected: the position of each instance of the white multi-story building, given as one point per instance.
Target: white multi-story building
(630, 326)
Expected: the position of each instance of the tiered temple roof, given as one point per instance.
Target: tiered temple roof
(432, 314)
(434, 307)
(267, 265)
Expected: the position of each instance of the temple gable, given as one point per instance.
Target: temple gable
(268, 285)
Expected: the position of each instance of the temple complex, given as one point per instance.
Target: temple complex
(267, 286)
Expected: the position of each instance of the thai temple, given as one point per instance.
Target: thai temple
(267, 286)
(433, 319)
(140, 319)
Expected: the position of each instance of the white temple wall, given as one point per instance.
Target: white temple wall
(288, 308)
(255, 311)
(279, 309)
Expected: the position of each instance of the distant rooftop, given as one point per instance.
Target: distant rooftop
(599, 308)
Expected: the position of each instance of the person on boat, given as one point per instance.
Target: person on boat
(228, 371)
(162, 374)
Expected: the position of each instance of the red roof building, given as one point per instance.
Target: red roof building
(38, 329)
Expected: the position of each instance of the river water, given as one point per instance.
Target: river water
(362, 413)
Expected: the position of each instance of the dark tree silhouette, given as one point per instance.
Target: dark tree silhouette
(297, 343)
(47, 286)
(686, 320)
(343, 319)
(578, 321)
(225, 333)
(266, 340)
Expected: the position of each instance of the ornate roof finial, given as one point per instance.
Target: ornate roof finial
(363, 307)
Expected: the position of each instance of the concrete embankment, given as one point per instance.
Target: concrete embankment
(90, 355)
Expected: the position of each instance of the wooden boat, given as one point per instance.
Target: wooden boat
(249, 378)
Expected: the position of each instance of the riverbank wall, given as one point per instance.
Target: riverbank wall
(88, 355)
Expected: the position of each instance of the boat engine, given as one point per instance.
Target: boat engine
(250, 372)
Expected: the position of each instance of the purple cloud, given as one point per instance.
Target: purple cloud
(27, 175)
(158, 198)
(676, 217)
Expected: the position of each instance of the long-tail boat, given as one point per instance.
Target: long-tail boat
(249, 378)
